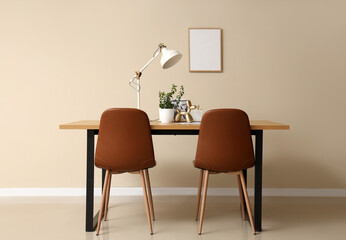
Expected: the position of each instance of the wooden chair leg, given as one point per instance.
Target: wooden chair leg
(107, 196)
(146, 201)
(241, 197)
(247, 201)
(102, 202)
(199, 193)
(203, 201)
(149, 193)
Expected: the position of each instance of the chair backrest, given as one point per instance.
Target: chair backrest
(225, 143)
(124, 142)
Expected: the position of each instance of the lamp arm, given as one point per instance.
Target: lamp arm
(135, 81)
(132, 81)
(147, 64)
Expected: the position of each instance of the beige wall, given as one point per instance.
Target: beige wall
(62, 61)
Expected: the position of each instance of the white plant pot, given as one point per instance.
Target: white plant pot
(166, 115)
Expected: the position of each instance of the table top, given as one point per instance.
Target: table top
(157, 125)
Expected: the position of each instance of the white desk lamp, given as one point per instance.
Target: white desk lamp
(168, 59)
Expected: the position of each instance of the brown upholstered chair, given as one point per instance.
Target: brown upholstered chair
(224, 146)
(125, 145)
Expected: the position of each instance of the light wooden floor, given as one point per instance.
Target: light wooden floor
(63, 218)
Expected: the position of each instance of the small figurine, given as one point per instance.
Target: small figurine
(186, 114)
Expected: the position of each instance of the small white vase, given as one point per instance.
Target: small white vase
(166, 115)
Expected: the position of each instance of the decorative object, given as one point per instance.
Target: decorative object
(182, 105)
(205, 50)
(196, 115)
(187, 114)
(168, 104)
(168, 59)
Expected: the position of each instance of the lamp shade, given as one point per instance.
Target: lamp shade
(169, 58)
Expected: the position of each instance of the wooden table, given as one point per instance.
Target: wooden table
(157, 128)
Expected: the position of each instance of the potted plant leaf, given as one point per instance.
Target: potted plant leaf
(168, 103)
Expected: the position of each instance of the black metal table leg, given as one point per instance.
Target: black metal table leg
(258, 180)
(89, 217)
(103, 177)
(245, 176)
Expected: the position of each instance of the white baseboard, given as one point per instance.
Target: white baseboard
(137, 191)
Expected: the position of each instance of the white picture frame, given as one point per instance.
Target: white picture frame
(205, 49)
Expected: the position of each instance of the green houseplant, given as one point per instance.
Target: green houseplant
(168, 103)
